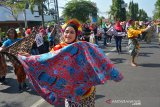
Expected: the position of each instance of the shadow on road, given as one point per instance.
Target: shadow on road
(145, 54)
(150, 47)
(12, 87)
(150, 65)
(99, 96)
(118, 60)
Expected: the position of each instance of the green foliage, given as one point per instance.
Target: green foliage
(50, 23)
(117, 11)
(142, 15)
(100, 20)
(80, 9)
(136, 13)
(39, 3)
(14, 7)
(2, 34)
(41, 7)
(121, 14)
(157, 10)
(133, 10)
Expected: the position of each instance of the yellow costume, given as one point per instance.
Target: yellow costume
(133, 44)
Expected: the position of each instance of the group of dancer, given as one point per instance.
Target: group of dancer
(104, 69)
(70, 36)
(133, 31)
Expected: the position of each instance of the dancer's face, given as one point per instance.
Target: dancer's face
(69, 34)
(11, 34)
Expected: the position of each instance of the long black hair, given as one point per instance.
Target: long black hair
(15, 33)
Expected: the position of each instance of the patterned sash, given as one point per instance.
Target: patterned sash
(23, 45)
(11, 52)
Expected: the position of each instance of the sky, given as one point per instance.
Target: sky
(104, 6)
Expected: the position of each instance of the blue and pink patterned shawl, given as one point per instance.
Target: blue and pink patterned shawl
(69, 72)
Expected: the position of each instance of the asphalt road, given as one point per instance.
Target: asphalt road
(140, 86)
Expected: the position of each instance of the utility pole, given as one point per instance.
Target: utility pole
(48, 4)
(55, 6)
(57, 11)
(42, 11)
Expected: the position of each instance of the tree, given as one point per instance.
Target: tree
(123, 12)
(41, 7)
(142, 15)
(128, 15)
(14, 7)
(136, 13)
(80, 9)
(157, 10)
(133, 10)
(22, 6)
(117, 11)
(100, 19)
(10, 5)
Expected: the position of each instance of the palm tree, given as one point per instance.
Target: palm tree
(41, 7)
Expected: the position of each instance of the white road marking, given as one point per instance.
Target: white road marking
(38, 103)
(41, 101)
(111, 50)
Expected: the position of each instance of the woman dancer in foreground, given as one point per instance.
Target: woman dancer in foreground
(70, 36)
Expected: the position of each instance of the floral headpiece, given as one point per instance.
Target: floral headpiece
(76, 23)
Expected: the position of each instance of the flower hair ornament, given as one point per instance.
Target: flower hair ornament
(74, 22)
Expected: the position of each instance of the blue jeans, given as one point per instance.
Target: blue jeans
(118, 41)
(96, 40)
(105, 39)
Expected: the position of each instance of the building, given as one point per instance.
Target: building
(7, 20)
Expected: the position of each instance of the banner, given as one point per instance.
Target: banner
(93, 19)
(39, 40)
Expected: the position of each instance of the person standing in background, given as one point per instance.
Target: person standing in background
(18, 69)
(21, 33)
(51, 35)
(104, 26)
(118, 39)
(86, 31)
(133, 44)
(158, 30)
(93, 28)
(109, 36)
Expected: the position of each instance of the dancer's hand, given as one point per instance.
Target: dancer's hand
(145, 30)
(148, 27)
(1, 49)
